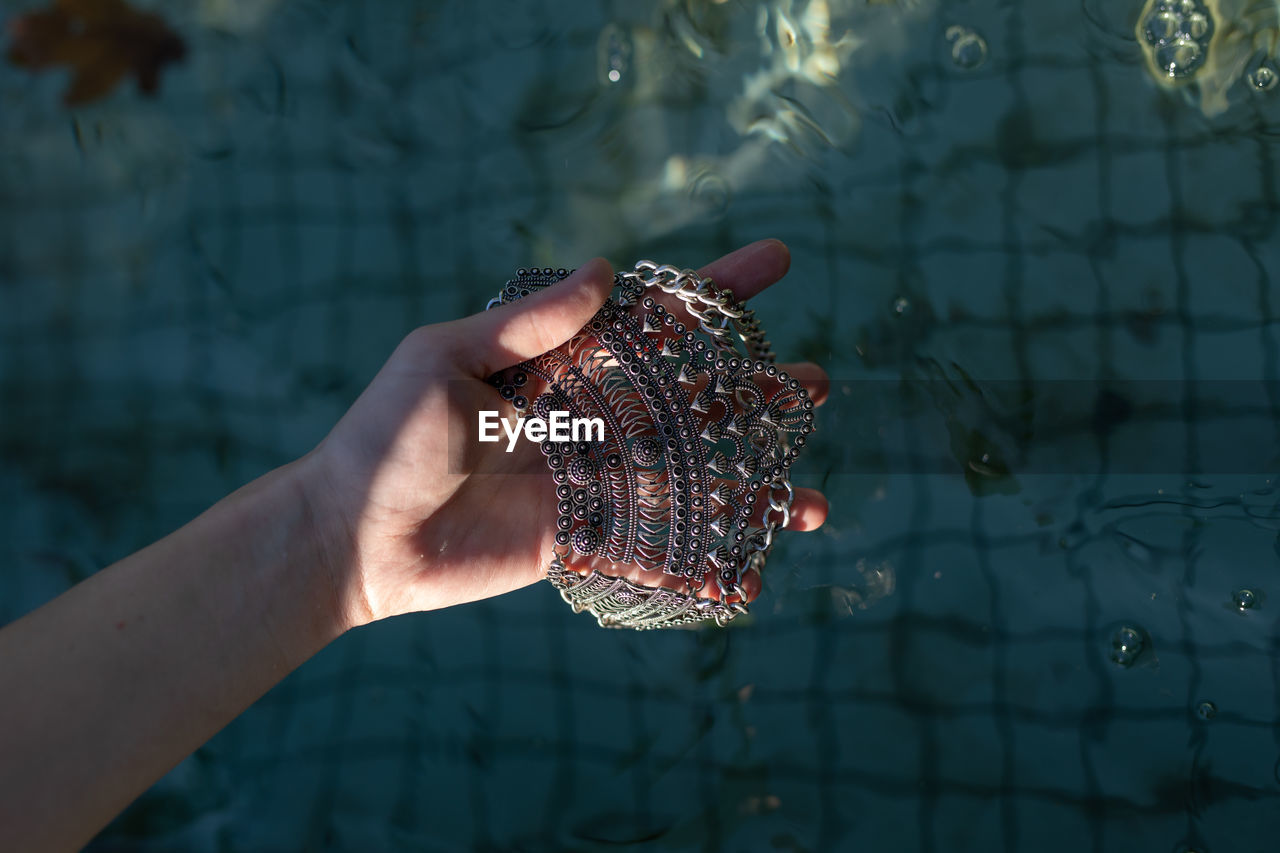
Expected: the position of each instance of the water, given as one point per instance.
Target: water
(1244, 599)
(968, 50)
(1178, 33)
(1263, 78)
(1042, 278)
(1127, 646)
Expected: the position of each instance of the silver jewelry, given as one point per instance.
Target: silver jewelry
(701, 428)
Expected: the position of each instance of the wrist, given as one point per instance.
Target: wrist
(289, 547)
(327, 532)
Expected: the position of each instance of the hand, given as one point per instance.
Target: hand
(141, 663)
(415, 522)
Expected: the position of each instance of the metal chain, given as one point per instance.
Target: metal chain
(719, 315)
(714, 309)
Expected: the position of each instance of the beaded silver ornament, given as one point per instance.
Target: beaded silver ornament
(701, 429)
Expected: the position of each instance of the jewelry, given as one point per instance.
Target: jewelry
(692, 478)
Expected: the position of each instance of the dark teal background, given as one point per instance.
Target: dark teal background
(194, 288)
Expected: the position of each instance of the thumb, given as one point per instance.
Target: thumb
(518, 331)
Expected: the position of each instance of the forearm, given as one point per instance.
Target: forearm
(107, 687)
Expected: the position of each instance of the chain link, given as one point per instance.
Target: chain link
(713, 308)
(719, 315)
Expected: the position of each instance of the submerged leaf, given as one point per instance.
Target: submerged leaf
(101, 41)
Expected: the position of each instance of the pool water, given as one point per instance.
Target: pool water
(1042, 615)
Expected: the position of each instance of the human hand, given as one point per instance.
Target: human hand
(413, 521)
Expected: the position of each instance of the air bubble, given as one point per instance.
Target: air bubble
(1206, 710)
(1263, 78)
(1177, 36)
(968, 49)
(1244, 599)
(1162, 26)
(901, 305)
(712, 191)
(1179, 57)
(614, 51)
(1126, 645)
(1196, 25)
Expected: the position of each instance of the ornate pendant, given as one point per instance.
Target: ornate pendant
(691, 482)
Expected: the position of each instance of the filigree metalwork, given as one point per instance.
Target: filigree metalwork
(692, 480)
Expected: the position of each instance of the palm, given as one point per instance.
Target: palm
(495, 531)
(442, 518)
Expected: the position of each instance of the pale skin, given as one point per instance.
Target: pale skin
(111, 684)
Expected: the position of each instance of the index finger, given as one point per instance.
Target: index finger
(749, 270)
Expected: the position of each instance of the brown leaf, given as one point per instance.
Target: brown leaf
(101, 41)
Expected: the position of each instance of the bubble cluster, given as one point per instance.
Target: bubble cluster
(1177, 34)
(968, 49)
(1126, 645)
